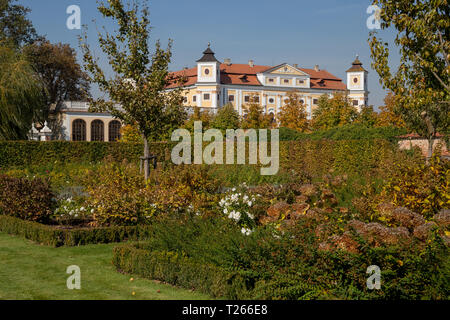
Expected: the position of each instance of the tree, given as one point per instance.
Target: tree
(293, 113)
(59, 72)
(141, 77)
(20, 95)
(388, 116)
(130, 133)
(255, 118)
(421, 82)
(204, 116)
(226, 118)
(333, 112)
(14, 25)
(367, 117)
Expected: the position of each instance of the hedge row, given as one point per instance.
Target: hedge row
(51, 236)
(348, 132)
(24, 153)
(319, 157)
(180, 270)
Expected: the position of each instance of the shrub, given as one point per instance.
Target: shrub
(179, 270)
(28, 199)
(184, 187)
(117, 195)
(56, 236)
(283, 265)
(72, 212)
(423, 188)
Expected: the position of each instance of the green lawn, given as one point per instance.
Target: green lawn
(31, 271)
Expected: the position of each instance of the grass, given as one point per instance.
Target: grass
(30, 271)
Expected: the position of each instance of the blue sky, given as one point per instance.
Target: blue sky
(328, 32)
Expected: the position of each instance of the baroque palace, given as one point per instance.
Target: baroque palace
(212, 84)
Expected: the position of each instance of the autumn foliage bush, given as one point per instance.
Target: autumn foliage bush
(119, 195)
(423, 188)
(28, 199)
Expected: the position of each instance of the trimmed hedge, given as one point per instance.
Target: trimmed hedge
(51, 236)
(319, 157)
(348, 132)
(24, 153)
(180, 270)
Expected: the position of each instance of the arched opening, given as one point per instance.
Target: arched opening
(97, 130)
(79, 130)
(114, 130)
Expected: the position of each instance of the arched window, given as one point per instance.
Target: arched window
(114, 130)
(97, 130)
(272, 117)
(79, 130)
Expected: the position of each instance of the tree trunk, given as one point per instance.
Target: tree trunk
(430, 147)
(146, 159)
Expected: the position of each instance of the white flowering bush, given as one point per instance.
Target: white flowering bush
(237, 205)
(70, 211)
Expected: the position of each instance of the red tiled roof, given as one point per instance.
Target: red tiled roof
(242, 68)
(233, 74)
(321, 74)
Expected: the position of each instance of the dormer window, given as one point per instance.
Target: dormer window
(206, 71)
(271, 80)
(243, 78)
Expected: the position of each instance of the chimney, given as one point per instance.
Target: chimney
(295, 65)
(250, 63)
(316, 67)
(185, 68)
(227, 61)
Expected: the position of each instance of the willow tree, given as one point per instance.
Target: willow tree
(421, 82)
(138, 91)
(21, 98)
